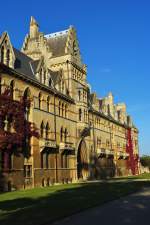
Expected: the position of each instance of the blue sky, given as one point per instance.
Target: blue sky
(114, 37)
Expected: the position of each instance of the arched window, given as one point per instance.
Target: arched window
(47, 131)
(42, 130)
(48, 103)
(80, 115)
(65, 135)
(8, 57)
(66, 109)
(44, 159)
(44, 77)
(0, 85)
(26, 98)
(61, 134)
(50, 82)
(59, 108)
(27, 93)
(12, 84)
(84, 115)
(99, 123)
(98, 142)
(6, 160)
(107, 143)
(2, 157)
(40, 100)
(83, 95)
(41, 74)
(62, 109)
(79, 95)
(63, 86)
(2, 54)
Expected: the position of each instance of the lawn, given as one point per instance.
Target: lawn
(40, 206)
(141, 176)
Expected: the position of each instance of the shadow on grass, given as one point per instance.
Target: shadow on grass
(131, 210)
(63, 202)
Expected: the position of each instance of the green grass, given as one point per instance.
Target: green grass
(141, 176)
(42, 205)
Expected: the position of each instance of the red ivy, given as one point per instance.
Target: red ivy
(132, 162)
(15, 113)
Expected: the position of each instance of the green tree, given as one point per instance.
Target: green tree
(145, 160)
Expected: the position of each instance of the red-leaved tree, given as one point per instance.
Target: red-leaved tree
(15, 130)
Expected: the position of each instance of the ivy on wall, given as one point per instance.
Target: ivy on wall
(132, 162)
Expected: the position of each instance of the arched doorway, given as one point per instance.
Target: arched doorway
(82, 162)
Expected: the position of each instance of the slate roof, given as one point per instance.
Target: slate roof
(57, 42)
(28, 66)
(23, 63)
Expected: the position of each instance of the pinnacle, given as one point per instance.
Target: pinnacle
(33, 21)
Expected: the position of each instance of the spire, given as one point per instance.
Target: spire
(110, 94)
(34, 28)
(33, 21)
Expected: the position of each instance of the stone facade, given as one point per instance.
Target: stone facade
(81, 136)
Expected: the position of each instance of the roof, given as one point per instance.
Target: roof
(6, 69)
(23, 63)
(57, 42)
(28, 66)
(56, 34)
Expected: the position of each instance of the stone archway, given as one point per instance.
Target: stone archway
(82, 161)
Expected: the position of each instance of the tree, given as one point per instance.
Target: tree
(15, 130)
(145, 160)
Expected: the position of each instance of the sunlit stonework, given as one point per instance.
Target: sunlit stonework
(81, 136)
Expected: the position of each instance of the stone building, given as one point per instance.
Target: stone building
(81, 136)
